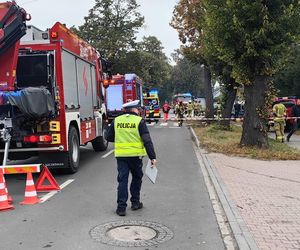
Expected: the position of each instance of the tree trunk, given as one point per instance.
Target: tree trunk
(230, 96)
(255, 126)
(209, 112)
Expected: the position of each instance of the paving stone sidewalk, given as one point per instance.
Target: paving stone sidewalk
(267, 195)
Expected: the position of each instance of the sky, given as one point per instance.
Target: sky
(157, 13)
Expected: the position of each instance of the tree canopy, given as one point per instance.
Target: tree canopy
(111, 27)
(253, 37)
(287, 80)
(148, 61)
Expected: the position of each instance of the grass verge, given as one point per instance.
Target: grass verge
(214, 139)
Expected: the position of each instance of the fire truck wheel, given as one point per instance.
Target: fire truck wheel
(100, 143)
(74, 151)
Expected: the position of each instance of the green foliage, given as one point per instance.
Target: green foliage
(148, 61)
(287, 80)
(252, 36)
(188, 21)
(111, 27)
(185, 77)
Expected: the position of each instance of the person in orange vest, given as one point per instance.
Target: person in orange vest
(166, 108)
(132, 141)
(279, 112)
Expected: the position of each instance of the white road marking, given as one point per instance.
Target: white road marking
(164, 124)
(151, 124)
(52, 193)
(104, 156)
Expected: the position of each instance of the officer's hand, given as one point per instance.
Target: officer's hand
(153, 162)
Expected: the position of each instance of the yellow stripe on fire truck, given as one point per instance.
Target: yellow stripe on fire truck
(56, 139)
(54, 126)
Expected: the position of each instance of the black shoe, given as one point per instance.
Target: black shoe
(137, 206)
(121, 212)
(287, 139)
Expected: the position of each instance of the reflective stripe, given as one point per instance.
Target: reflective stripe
(30, 194)
(132, 144)
(128, 141)
(3, 198)
(2, 186)
(29, 183)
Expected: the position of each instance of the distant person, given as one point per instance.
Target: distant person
(197, 108)
(166, 108)
(279, 112)
(237, 110)
(295, 113)
(219, 109)
(180, 113)
(190, 108)
(132, 142)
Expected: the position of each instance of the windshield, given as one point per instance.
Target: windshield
(184, 98)
(32, 71)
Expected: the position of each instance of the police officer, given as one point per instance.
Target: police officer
(132, 141)
(279, 112)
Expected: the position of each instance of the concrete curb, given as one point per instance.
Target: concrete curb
(194, 137)
(242, 236)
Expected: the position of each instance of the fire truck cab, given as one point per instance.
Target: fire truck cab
(122, 89)
(152, 106)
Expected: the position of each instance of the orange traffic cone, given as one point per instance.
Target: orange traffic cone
(4, 205)
(30, 192)
(9, 198)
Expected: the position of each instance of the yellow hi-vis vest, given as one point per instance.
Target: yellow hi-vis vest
(128, 142)
(280, 110)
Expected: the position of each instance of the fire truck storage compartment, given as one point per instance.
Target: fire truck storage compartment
(79, 77)
(114, 97)
(33, 95)
(34, 103)
(35, 70)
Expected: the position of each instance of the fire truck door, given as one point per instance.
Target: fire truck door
(70, 79)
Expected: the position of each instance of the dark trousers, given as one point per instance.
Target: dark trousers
(134, 166)
(293, 129)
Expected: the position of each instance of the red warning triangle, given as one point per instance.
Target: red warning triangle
(46, 174)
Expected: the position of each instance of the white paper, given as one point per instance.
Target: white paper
(151, 172)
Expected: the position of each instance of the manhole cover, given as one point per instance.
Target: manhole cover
(131, 233)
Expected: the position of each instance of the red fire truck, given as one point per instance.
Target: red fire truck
(121, 89)
(52, 92)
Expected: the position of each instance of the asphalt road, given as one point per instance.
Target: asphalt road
(179, 200)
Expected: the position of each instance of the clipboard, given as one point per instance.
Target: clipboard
(151, 172)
